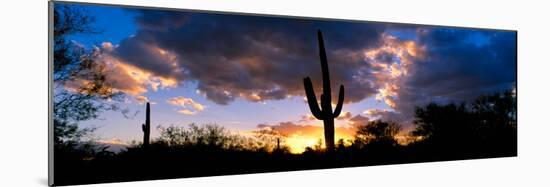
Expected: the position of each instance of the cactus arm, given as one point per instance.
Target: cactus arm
(340, 103)
(143, 128)
(312, 99)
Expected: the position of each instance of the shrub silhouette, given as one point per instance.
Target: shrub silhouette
(484, 128)
(208, 135)
(325, 112)
(496, 116)
(448, 130)
(376, 142)
(377, 132)
(212, 136)
(442, 122)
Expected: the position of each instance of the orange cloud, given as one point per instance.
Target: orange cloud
(123, 77)
(141, 99)
(188, 105)
(187, 112)
(133, 80)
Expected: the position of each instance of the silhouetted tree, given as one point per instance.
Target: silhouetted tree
(486, 127)
(68, 21)
(377, 131)
(75, 65)
(447, 122)
(80, 91)
(447, 131)
(496, 118)
(325, 112)
(499, 109)
(377, 139)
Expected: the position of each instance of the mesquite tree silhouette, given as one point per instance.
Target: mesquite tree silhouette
(324, 113)
(147, 126)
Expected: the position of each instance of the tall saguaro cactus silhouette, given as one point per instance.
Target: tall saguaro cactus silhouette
(147, 126)
(325, 112)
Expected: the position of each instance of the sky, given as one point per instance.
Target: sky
(245, 72)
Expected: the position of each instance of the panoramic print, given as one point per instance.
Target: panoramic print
(143, 93)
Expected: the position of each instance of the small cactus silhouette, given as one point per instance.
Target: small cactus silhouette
(278, 144)
(147, 126)
(325, 112)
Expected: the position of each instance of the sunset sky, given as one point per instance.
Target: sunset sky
(245, 72)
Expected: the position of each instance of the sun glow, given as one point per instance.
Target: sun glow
(298, 143)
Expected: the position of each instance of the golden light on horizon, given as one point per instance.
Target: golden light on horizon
(298, 143)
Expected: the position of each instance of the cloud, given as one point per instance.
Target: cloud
(130, 79)
(344, 115)
(187, 112)
(141, 99)
(468, 68)
(358, 120)
(159, 20)
(188, 106)
(254, 58)
(289, 128)
(391, 64)
(121, 76)
(307, 118)
(310, 118)
(146, 55)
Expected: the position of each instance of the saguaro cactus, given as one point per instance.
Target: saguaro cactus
(147, 126)
(325, 112)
